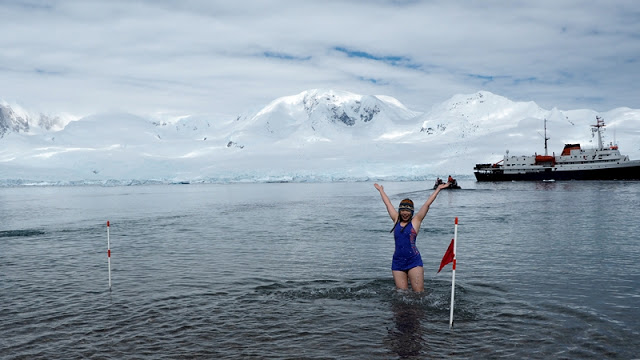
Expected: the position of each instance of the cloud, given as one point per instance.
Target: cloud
(223, 58)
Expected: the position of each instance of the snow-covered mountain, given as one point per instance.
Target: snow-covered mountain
(317, 135)
(322, 116)
(14, 118)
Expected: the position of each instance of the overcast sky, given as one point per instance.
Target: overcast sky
(226, 57)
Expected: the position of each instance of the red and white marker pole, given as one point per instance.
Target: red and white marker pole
(109, 254)
(453, 273)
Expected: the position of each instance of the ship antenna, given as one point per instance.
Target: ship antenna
(599, 124)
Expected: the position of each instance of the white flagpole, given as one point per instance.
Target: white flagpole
(453, 273)
(109, 254)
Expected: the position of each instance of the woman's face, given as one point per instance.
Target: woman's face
(405, 215)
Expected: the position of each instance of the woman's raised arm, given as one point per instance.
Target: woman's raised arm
(419, 216)
(393, 213)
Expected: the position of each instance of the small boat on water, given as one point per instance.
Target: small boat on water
(575, 163)
(453, 184)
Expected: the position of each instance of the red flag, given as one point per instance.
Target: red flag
(448, 256)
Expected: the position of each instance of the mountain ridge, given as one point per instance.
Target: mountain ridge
(315, 134)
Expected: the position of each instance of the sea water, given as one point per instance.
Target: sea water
(544, 270)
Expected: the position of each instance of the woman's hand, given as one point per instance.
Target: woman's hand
(442, 186)
(379, 187)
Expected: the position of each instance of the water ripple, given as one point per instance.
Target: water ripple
(302, 272)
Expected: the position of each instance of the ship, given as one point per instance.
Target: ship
(574, 163)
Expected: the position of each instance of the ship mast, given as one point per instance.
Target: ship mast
(599, 124)
(546, 153)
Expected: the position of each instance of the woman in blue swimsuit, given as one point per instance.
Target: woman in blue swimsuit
(407, 263)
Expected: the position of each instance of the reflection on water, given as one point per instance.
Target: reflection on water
(407, 337)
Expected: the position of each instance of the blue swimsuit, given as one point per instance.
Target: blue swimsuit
(406, 256)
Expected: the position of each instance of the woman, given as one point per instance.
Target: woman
(407, 264)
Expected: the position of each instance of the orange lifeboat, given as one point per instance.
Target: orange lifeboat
(544, 159)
